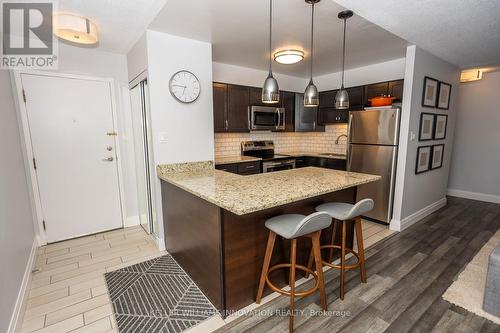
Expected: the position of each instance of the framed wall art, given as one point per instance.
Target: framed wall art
(430, 94)
(443, 101)
(426, 130)
(423, 159)
(437, 156)
(440, 125)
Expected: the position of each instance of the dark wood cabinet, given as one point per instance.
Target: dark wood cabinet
(374, 90)
(396, 90)
(356, 97)
(287, 101)
(327, 99)
(256, 96)
(328, 114)
(220, 107)
(243, 168)
(238, 98)
(306, 118)
(324, 162)
(332, 116)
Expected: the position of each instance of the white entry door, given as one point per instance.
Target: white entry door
(73, 139)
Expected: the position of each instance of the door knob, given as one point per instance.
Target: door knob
(108, 159)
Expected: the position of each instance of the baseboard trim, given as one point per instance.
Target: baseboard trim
(131, 221)
(400, 225)
(16, 320)
(474, 195)
(160, 242)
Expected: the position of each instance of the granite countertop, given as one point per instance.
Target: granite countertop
(235, 159)
(247, 194)
(314, 154)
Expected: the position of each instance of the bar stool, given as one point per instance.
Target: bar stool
(293, 226)
(342, 213)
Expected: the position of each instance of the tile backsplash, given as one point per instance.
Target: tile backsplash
(229, 144)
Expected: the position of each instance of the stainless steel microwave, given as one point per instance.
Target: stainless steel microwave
(266, 118)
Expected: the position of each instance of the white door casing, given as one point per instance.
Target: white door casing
(69, 119)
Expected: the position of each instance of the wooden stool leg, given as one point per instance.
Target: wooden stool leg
(342, 260)
(332, 242)
(310, 261)
(265, 266)
(361, 249)
(319, 267)
(293, 260)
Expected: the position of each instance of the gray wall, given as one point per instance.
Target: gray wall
(476, 152)
(416, 192)
(16, 221)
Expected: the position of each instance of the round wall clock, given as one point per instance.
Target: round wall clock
(184, 86)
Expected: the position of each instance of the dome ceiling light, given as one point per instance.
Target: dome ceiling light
(76, 29)
(288, 57)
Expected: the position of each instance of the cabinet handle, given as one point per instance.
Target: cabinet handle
(314, 124)
(226, 124)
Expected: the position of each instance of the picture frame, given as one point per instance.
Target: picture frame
(423, 159)
(430, 92)
(443, 101)
(440, 125)
(437, 156)
(426, 129)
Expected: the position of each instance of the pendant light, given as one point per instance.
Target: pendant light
(271, 90)
(311, 95)
(342, 98)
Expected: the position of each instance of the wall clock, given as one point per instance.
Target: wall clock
(185, 87)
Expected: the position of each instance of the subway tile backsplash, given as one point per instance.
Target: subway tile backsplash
(229, 144)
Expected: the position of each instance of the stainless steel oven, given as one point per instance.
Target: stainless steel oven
(278, 165)
(266, 118)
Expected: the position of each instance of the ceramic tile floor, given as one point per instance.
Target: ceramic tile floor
(68, 292)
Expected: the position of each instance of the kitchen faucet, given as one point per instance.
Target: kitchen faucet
(337, 141)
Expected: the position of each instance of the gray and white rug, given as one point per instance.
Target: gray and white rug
(156, 296)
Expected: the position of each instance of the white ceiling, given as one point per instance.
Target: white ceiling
(463, 32)
(238, 30)
(120, 22)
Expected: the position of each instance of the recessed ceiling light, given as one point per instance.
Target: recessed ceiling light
(75, 29)
(288, 57)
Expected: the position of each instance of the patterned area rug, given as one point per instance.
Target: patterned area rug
(156, 296)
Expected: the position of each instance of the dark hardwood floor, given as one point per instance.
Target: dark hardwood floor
(407, 275)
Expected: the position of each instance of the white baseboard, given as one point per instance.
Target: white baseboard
(131, 221)
(474, 195)
(17, 316)
(160, 242)
(400, 225)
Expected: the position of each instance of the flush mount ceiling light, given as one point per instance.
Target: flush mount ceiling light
(75, 29)
(471, 75)
(271, 90)
(288, 57)
(342, 97)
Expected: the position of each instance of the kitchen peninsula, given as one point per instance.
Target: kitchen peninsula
(214, 221)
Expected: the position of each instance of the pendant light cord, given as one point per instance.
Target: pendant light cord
(270, 34)
(312, 38)
(343, 56)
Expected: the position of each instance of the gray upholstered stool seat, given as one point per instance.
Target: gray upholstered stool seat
(295, 225)
(492, 291)
(344, 211)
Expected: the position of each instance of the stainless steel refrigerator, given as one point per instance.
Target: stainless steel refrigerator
(373, 149)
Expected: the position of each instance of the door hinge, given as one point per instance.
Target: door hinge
(44, 226)
(34, 163)
(24, 96)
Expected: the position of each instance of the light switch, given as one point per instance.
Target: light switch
(162, 137)
(412, 136)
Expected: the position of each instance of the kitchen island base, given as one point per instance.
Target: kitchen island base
(223, 252)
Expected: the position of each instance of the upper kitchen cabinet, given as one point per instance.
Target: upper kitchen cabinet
(374, 90)
(396, 90)
(306, 118)
(356, 101)
(256, 96)
(327, 99)
(328, 114)
(220, 107)
(238, 98)
(287, 101)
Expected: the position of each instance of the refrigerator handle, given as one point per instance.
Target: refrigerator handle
(348, 151)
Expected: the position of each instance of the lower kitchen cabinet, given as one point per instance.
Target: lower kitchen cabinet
(244, 168)
(321, 162)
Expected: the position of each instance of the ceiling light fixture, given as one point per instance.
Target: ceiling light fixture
(342, 97)
(288, 57)
(471, 75)
(75, 29)
(271, 90)
(311, 94)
